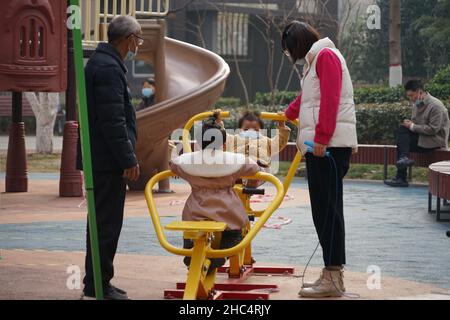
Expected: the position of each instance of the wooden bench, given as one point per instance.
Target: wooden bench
(439, 186)
(437, 161)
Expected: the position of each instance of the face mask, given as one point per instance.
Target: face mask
(131, 55)
(250, 134)
(147, 92)
(419, 102)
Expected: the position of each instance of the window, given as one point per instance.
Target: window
(232, 34)
(31, 39)
(142, 69)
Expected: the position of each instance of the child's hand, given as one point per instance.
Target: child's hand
(281, 124)
(218, 118)
(216, 114)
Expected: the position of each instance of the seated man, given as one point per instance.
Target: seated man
(427, 131)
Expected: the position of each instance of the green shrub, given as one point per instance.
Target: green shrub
(227, 102)
(280, 98)
(377, 123)
(379, 95)
(362, 95)
(440, 91)
(442, 77)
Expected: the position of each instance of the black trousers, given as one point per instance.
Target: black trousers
(407, 141)
(326, 196)
(109, 194)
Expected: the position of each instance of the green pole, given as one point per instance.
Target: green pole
(86, 152)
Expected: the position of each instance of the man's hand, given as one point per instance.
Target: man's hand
(281, 124)
(407, 123)
(132, 173)
(319, 150)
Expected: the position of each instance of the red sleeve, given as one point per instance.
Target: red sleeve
(293, 111)
(329, 71)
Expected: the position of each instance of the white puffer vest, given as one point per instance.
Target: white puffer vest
(345, 133)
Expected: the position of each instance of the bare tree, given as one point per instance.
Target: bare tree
(45, 108)
(269, 24)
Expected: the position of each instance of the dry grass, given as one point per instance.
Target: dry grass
(37, 162)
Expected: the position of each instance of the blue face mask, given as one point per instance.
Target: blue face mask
(147, 92)
(419, 103)
(131, 55)
(250, 134)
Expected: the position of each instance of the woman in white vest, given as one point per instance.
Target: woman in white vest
(326, 113)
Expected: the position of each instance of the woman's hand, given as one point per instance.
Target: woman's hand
(319, 150)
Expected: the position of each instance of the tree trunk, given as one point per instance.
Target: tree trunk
(395, 47)
(45, 108)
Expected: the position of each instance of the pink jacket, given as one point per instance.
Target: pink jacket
(329, 71)
(214, 198)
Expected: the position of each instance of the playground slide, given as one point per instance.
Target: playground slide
(189, 80)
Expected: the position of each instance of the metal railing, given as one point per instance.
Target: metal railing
(96, 14)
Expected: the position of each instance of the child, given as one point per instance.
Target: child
(252, 143)
(212, 196)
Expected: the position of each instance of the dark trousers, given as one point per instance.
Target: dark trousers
(109, 194)
(326, 196)
(407, 141)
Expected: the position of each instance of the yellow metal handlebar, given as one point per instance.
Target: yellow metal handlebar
(155, 216)
(212, 253)
(224, 114)
(272, 116)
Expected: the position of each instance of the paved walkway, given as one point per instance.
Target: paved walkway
(387, 229)
(30, 143)
(43, 275)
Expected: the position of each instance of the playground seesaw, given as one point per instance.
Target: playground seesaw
(243, 266)
(206, 236)
(199, 284)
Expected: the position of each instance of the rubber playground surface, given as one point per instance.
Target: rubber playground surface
(389, 232)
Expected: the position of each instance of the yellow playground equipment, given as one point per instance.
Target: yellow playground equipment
(205, 234)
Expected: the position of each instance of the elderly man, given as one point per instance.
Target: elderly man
(112, 124)
(427, 131)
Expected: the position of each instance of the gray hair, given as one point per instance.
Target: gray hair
(121, 27)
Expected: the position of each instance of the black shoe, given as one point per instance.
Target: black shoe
(397, 182)
(118, 289)
(405, 162)
(109, 293)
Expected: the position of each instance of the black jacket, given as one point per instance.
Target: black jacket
(112, 118)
